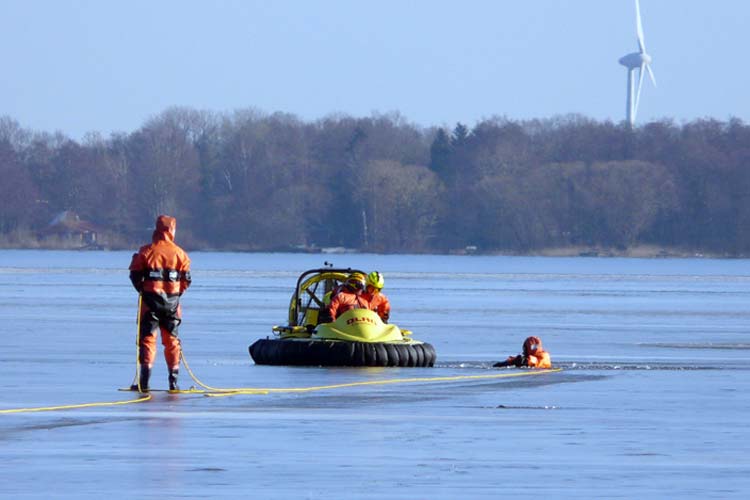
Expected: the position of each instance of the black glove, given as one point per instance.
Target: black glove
(136, 278)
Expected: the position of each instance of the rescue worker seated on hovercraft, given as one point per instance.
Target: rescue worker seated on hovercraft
(160, 272)
(375, 296)
(533, 356)
(350, 296)
(330, 295)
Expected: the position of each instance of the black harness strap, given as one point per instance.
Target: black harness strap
(171, 275)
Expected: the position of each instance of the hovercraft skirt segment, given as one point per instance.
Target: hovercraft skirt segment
(303, 352)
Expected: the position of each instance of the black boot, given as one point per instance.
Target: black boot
(173, 380)
(145, 376)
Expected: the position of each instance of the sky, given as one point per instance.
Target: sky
(105, 66)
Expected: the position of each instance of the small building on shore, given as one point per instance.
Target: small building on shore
(71, 231)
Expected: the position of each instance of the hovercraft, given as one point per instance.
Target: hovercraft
(357, 337)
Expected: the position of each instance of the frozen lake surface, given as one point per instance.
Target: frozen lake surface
(652, 401)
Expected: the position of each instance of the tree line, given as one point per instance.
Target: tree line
(252, 181)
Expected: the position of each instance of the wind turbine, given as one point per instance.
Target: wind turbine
(636, 60)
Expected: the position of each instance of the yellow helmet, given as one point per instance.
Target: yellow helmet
(356, 281)
(376, 280)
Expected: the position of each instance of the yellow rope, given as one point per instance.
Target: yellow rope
(228, 392)
(137, 378)
(244, 390)
(219, 392)
(71, 407)
(250, 390)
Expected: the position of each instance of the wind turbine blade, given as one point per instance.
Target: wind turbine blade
(638, 92)
(639, 27)
(651, 74)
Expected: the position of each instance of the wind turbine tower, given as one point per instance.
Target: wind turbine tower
(636, 60)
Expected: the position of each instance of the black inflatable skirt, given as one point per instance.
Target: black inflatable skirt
(304, 352)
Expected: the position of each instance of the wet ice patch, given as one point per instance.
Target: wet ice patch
(698, 345)
(512, 407)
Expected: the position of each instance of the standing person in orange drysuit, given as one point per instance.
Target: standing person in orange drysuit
(160, 272)
(534, 356)
(375, 296)
(351, 297)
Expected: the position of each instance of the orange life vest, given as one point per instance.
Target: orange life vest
(346, 300)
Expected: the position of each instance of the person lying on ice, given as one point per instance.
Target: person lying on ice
(534, 356)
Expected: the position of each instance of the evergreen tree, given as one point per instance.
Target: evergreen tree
(440, 153)
(460, 136)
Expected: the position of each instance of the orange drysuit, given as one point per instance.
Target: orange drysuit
(161, 273)
(346, 300)
(378, 303)
(534, 356)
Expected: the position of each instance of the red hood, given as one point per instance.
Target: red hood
(165, 227)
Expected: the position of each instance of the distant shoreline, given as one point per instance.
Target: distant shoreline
(635, 252)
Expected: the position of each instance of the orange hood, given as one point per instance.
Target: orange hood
(532, 341)
(165, 228)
